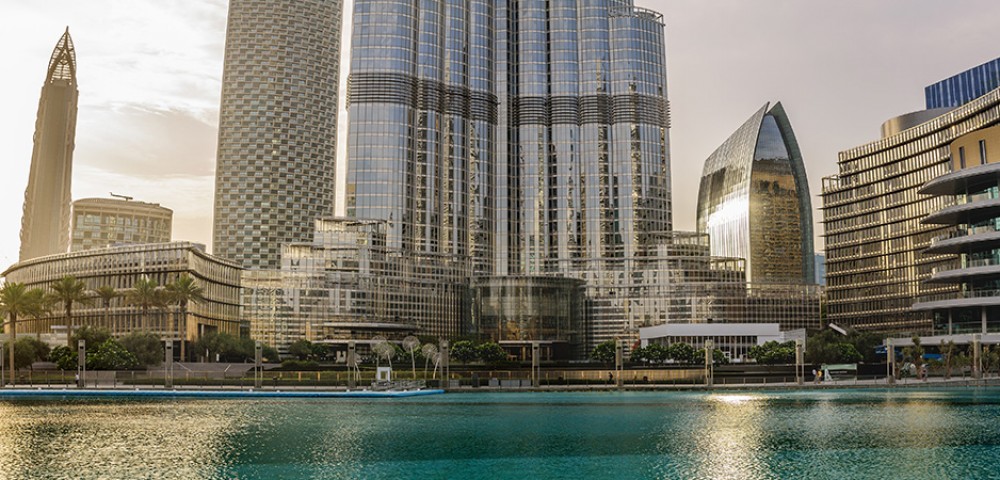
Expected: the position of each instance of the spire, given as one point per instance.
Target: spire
(62, 65)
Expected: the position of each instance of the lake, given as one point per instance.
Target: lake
(883, 433)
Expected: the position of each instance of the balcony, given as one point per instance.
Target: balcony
(965, 240)
(964, 180)
(973, 298)
(972, 269)
(969, 210)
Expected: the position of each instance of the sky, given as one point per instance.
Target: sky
(149, 75)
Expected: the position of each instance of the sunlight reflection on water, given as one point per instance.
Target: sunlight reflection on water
(746, 435)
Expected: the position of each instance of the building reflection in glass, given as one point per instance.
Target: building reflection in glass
(754, 201)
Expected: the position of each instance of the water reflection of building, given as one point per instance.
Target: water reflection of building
(349, 284)
(104, 222)
(121, 267)
(754, 201)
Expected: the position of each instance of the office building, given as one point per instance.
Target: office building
(277, 127)
(964, 87)
(106, 222)
(120, 267)
(754, 201)
(972, 192)
(882, 259)
(45, 221)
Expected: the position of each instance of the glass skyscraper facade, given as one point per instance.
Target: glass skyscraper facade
(46, 217)
(964, 87)
(754, 201)
(525, 138)
(277, 127)
(532, 137)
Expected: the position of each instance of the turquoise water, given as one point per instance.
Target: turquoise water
(741, 435)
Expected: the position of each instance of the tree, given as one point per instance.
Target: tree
(463, 351)
(111, 355)
(846, 353)
(182, 291)
(68, 290)
(773, 353)
(604, 352)
(145, 293)
(270, 354)
(491, 353)
(411, 344)
(92, 336)
(301, 349)
(683, 353)
(17, 300)
(948, 352)
(106, 294)
(640, 354)
(915, 353)
(657, 353)
(27, 351)
(145, 346)
(718, 357)
(64, 357)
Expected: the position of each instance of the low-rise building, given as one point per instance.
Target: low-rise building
(121, 267)
(106, 222)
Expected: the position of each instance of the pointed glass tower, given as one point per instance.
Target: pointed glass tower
(45, 222)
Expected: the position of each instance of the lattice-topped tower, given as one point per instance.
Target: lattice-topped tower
(47, 200)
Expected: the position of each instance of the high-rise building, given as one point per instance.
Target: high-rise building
(883, 257)
(106, 222)
(45, 221)
(754, 201)
(530, 137)
(971, 190)
(526, 138)
(277, 126)
(533, 138)
(964, 87)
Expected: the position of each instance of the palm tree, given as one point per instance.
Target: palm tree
(17, 300)
(68, 290)
(107, 293)
(145, 293)
(182, 291)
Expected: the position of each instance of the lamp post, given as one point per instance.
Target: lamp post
(81, 363)
(709, 362)
(799, 364)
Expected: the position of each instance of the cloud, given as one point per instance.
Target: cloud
(145, 142)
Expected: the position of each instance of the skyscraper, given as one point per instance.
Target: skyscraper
(754, 201)
(964, 87)
(530, 137)
(45, 221)
(277, 126)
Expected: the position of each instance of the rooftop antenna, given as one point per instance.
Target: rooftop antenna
(124, 197)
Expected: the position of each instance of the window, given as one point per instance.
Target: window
(982, 152)
(961, 157)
